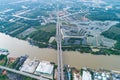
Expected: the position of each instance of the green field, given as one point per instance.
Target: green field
(114, 33)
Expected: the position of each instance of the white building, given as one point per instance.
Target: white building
(44, 67)
(86, 75)
(29, 66)
(76, 76)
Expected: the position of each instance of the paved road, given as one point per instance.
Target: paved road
(59, 40)
(59, 50)
(73, 36)
(22, 73)
(71, 14)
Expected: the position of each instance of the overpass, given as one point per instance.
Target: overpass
(22, 73)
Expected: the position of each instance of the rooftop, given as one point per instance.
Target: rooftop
(86, 75)
(29, 66)
(45, 67)
(4, 52)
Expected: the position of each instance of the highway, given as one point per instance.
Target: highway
(73, 36)
(71, 14)
(59, 50)
(59, 46)
(21, 73)
(23, 17)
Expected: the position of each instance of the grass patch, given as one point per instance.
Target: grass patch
(3, 60)
(114, 33)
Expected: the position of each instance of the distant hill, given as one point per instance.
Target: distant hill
(117, 2)
(111, 1)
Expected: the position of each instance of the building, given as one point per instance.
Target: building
(12, 59)
(76, 76)
(102, 76)
(4, 52)
(73, 35)
(29, 65)
(86, 75)
(45, 69)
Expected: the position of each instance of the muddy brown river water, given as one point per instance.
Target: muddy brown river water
(19, 47)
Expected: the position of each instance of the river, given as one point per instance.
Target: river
(20, 47)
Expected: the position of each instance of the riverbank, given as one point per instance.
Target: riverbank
(47, 70)
(19, 47)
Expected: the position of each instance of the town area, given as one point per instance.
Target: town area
(24, 68)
